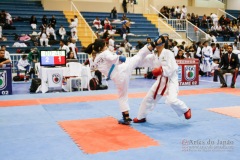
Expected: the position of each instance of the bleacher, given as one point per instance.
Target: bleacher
(234, 13)
(21, 11)
(142, 28)
(219, 38)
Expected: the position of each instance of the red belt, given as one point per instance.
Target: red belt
(164, 89)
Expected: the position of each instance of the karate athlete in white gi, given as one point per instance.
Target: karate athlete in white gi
(165, 70)
(207, 55)
(114, 67)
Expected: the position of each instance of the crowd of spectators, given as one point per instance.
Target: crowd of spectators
(223, 26)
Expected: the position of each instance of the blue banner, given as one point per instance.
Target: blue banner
(6, 80)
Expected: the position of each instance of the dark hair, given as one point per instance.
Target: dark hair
(24, 56)
(230, 46)
(98, 45)
(198, 43)
(212, 44)
(205, 42)
(89, 48)
(62, 41)
(68, 55)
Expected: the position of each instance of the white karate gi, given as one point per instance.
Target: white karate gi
(43, 38)
(62, 32)
(51, 31)
(214, 19)
(121, 73)
(184, 13)
(73, 27)
(22, 63)
(97, 24)
(166, 83)
(207, 54)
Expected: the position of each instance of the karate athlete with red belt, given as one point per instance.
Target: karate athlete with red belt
(165, 69)
(115, 67)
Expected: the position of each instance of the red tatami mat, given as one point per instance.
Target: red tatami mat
(104, 135)
(229, 111)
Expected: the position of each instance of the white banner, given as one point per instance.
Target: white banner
(55, 78)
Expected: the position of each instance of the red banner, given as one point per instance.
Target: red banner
(188, 72)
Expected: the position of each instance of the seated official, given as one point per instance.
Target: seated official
(97, 73)
(229, 64)
(23, 64)
(2, 59)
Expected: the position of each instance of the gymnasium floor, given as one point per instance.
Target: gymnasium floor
(83, 125)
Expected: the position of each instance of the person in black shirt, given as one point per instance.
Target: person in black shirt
(33, 22)
(124, 5)
(114, 13)
(229, 64)
(53, 21)
(44, 20)
(2, 59)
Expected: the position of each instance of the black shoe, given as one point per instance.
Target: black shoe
(232, 85)
(125, 121)
(223, 85)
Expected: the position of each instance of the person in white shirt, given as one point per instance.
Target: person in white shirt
(76, 19)
(123, 50)
(183, 12)
(175, 48)
(62, 32)
(8, 18)
(72, 47)
(235, 47)
(43, 37)
(213, 30)
(111, 43)
(50, 31)
(178, 12)
(6, 53)
(219, 29)
(23, 64)
(165, 69)
(64, 47)
(97, 23)
(116, 67)
(95, 72)
(217, 53)
(207, 58)
(214, 19)
(73, 27)
(74, 36)
(213, 38)
(127, 45)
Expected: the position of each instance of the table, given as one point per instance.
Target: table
(52, 78)
(6, 80)
(188, 72)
